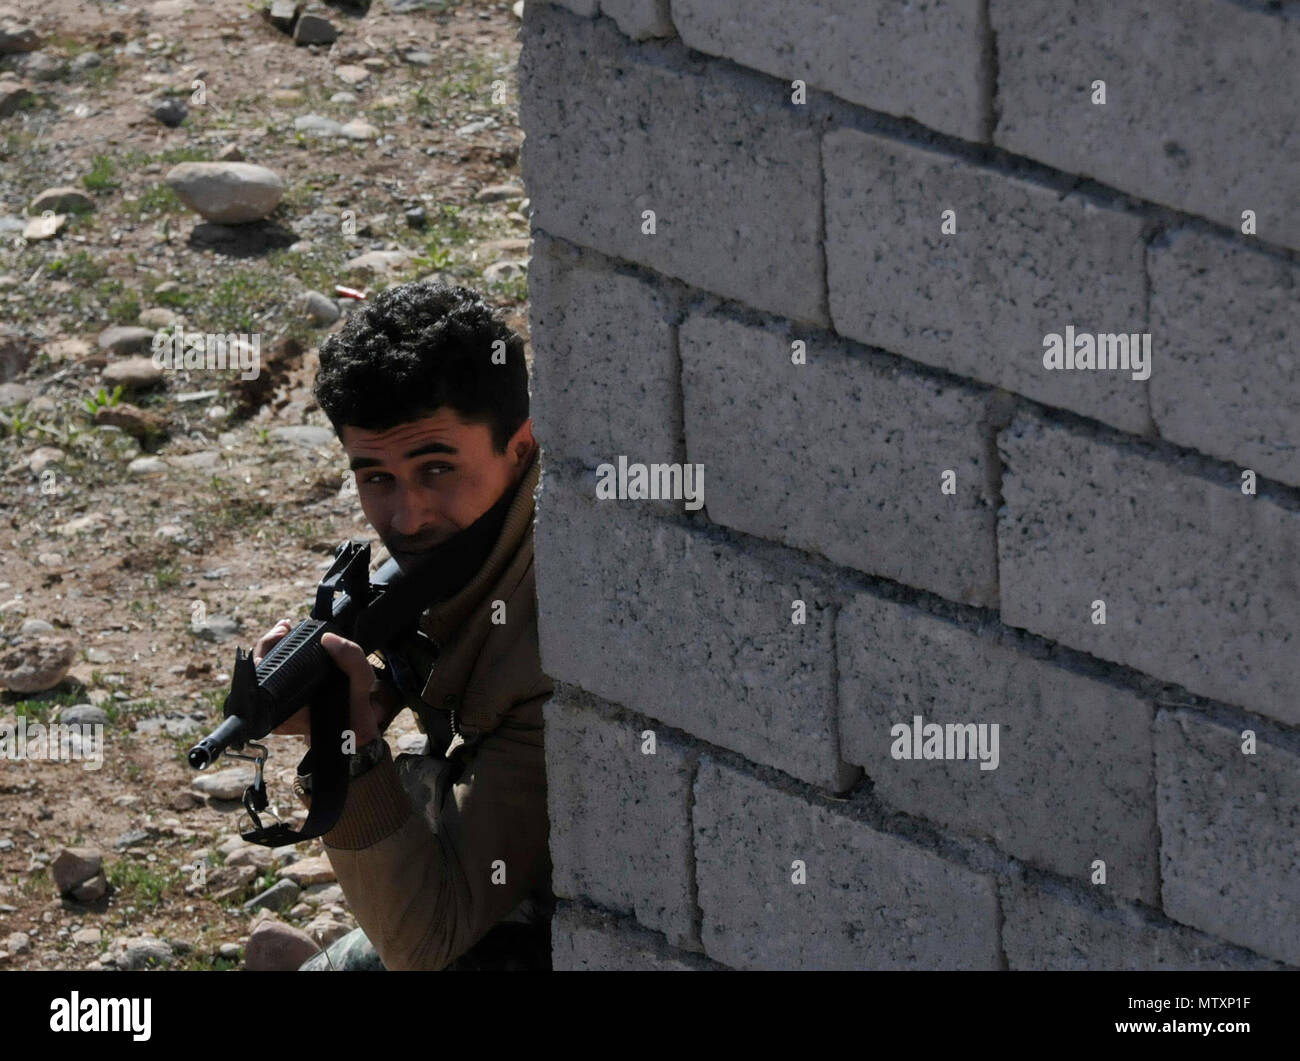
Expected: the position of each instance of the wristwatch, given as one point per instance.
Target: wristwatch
(365, 757)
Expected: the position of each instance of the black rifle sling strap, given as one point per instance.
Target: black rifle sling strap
(325, 764)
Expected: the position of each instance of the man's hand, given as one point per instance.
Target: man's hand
(368, 702)
(298, 723)
(364, 704)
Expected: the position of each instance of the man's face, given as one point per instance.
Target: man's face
(422, 481)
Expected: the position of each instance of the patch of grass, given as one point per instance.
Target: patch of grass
(178, 298)
(80, 266)
(101, 177)
(241, 296)
(103, 400)
(125, 310)
(39, 707)
(514, 288)
(156, 199)
(207, 963)
(166, 575)
(142, 883)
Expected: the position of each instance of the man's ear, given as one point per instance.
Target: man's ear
(522, 444)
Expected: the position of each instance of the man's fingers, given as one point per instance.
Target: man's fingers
(350, 659)
(268, 640)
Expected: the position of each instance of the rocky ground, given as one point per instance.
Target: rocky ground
(154, 519)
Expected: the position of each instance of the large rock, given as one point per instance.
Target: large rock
(13, 94)
(309, 871)
(274, 946)
(35, 664)
(314, 29)
(74, 866)
(136, 422)
(17, 37)
(126, 339)
(224, 784)
(139, 952)
(132, 372)
(61, 200)
(16, 352)
(228, 193)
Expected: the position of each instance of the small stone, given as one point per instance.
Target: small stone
(343, 96)
(157, 317)
(37, 626)
(418, 58)
(17, 37)
(84, 715)
(319, 308)
(376, 263)
(357, 129)
(140, 952)
(217, 628)
(309, 871)
(416, 217)
(497, 192)
(87, 937)
(143, 466)
(282, 14)
(126, 339)
(230, 153)
(20, 943)
(171, 111)
(279, 896)
(351, 74)
(317, 125)
(228, 951)
(41, 459)
(46, 226)
(133, 372)
(224, 784)
(308, 435)
(136, 422)
(254, 855)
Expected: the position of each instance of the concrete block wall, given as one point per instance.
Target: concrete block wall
(905, 512)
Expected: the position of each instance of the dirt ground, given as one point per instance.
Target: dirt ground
(234, 520)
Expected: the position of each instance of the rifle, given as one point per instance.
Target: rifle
(372, 611)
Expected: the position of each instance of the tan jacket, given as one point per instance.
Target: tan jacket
(425, 895)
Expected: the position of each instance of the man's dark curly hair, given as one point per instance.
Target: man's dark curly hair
(416, 348)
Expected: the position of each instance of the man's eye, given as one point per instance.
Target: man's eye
(433, 470)
(377, 479)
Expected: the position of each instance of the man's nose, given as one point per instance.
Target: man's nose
(412, 513)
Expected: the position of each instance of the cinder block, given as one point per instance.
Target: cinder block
(734, 181)
(1228, 321)
(588, 944)
(1022, 263)
(1072, 781)
(1200, 101)
(604, 376)
(1230, 832)
(640, 19)
(620, 819)
(686, 630)
(870, 901)
(1045, 927)
(921, 61)
(843, 455)
(1201, 583)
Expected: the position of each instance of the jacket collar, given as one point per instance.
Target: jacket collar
(441, 620)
